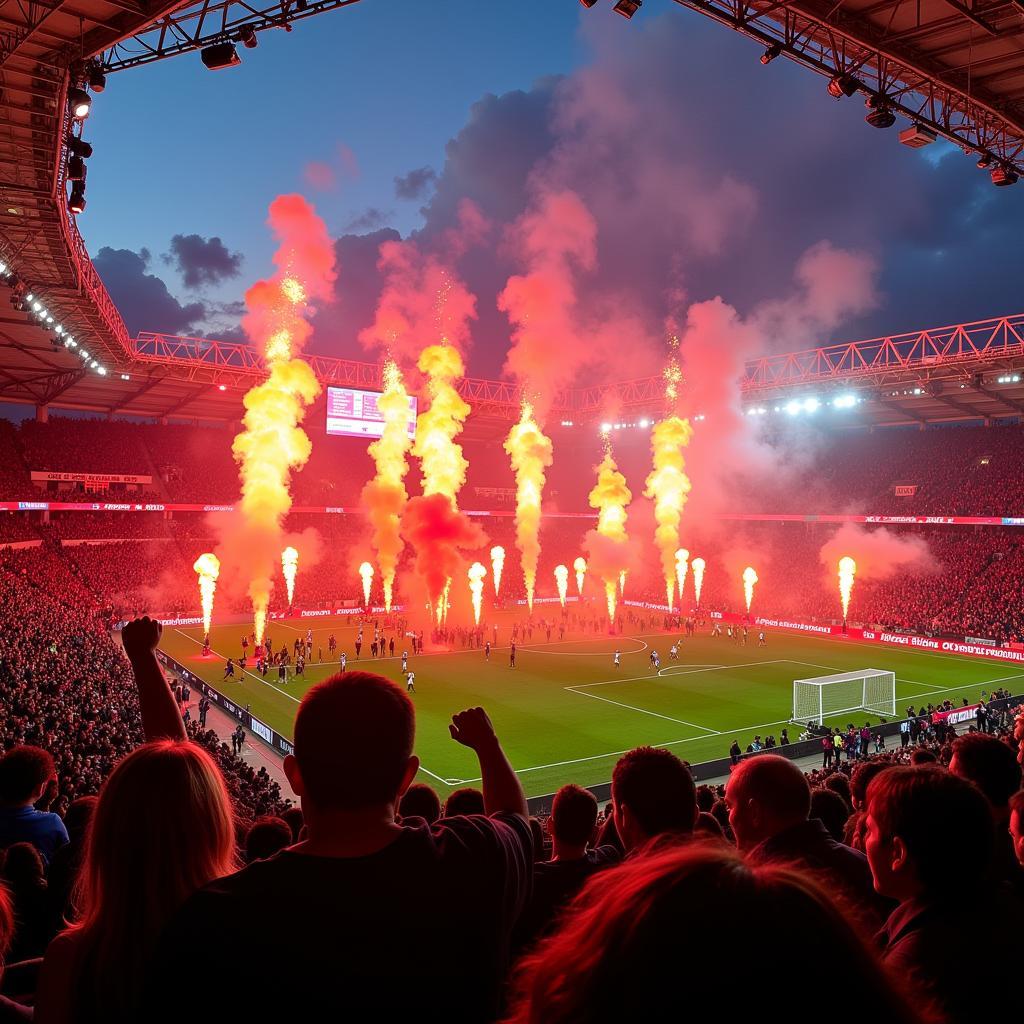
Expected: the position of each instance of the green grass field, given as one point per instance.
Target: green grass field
(566, 714)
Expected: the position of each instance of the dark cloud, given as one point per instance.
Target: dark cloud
(415, 184)
(143, 299)
(702, 191)
(370, 219)
(202, 261)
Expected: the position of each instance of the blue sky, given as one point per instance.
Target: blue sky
(183, 149)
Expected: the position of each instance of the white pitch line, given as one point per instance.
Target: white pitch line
(245, 671)
(644, 711)
(583, 654)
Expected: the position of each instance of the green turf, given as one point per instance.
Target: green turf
(565, 713)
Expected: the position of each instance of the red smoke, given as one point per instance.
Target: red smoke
(879, 553)
(555, 239)
(439, 534)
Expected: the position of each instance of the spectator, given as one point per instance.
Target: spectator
(362, 888)
(24, 877)
(831, 810)
(293, 816)
(926, 827)
(27, 774)
(859, 782)
(654, 796)
(67, 860)
(266, 837)
(420, 801)
(992, 766)
(641, 932)
(769, 810)
(10, 1011)
(572, 825)
(464, 801)
(1017, 825)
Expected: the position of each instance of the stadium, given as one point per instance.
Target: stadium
(542, 591)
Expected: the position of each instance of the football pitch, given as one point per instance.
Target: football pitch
(565, 713)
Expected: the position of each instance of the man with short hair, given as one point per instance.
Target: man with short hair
(362, 887)
(926, 829)
(654, 796)
(769, 802)
(992, 766)
(26, 774)
(571, 825)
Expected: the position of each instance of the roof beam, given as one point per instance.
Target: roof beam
(1010, 403)
(182, 402)
(896, 407)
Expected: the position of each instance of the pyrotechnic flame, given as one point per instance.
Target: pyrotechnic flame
(682, 560)
(208, 568)
(477, 573)
(580, 565)
(290, 566)
(698, 565)
(669, 486)
(847, 571)
(531, 453)
(562, 582)
(497, 564)
(272, 443)
(366, 572)
(622, 583)
(442, 602)
(441, 459)
(385, 496)
(749, 579)
(610, 496)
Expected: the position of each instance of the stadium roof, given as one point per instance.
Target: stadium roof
(956, 68)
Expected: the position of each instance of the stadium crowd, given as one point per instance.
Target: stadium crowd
(894, 878)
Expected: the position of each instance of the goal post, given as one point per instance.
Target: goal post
(870, 689)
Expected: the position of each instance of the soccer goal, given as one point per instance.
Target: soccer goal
(870, 689)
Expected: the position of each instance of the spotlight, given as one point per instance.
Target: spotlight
(985, 160)
(97, 80)
(79, 147)
(101, 370)
(771, 53)
(247, 37)
(879, 113)
(220, 55)
(627, 8)
(76, 201)
(917, 136)
(1003, 176)
(588, 3)
(80, 102)
(842, 85)
(76, 169)
(3, 267)
(222, 387)
(125, 376)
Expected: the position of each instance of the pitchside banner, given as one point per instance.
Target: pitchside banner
(882, 637)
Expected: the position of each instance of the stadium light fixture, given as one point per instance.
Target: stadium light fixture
(80, 102)
(102, 371)
(845, 401)
(97, 80)
(124, 376)
(76, 201)
(222, 387)
(627, 8)
(771, 53)
(917, 136)
(645, 424)
(70, 342)
(842, 85)
(879, 113)
(79, 147)
(1003, 176)
(811, 404)
(605, 428)
(84, 354)
(3, 267)
(588, 3)
(219, 56)
(247, 37)
(793, 407)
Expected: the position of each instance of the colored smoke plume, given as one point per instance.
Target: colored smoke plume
(607, 546)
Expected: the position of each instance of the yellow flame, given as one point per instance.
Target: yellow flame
(477, 573)
(562, 582)
(290, 566)
(208, 567)
(366, 572)
(531, 454)
(622, 583)
(749, 579)
(698, 565)
(441, 459)
(682, 560)
(497, 564)
(669, 486)
(580, 565)
(385, 496)
(442, 602)
(272, 443)
(847, 571)
(610, 496)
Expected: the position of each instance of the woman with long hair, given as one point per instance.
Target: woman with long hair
(162, 828)
(695, 929)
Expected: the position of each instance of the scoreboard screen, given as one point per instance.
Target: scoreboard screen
(354, 413)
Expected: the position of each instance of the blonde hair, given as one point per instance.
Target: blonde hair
(162, 829)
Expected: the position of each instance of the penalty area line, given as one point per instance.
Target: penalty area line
(644, 711)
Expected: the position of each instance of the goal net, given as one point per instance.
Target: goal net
(870, 689)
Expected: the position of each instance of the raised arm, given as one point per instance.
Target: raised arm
(502, 788)
(161, 719)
